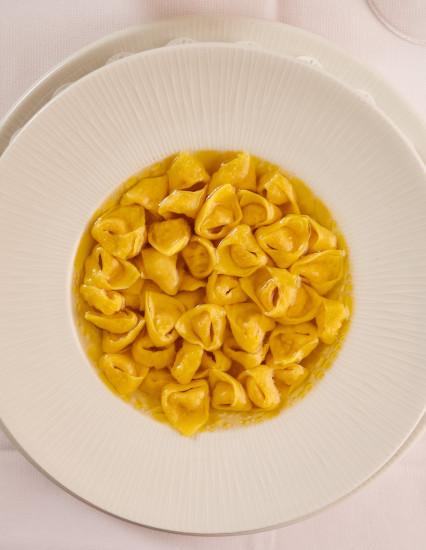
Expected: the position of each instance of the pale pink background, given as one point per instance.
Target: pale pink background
(389, 513)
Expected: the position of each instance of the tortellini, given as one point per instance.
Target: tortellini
(170, 236)
(187, 203)
(239, 171)
(147, 354)
(239, 254)
(162, 269)
(227, 393)
(291, 344)
(121, 231)
(273, 290)
(321, 270)
(330, 317)
(162, 314)
(304, 307)
(248, 325)
(219, 214)
(187, 362)
(321, 238)
(257, 210)
(200, 257)
(203, 325)
(122, 372)
(286, 240)
(105, 301)
(105, 271)
(187, 172)
(210, 282)
(118, 323)
(279, 191)
(148, 192)
(260, 387)
(113, 343)
(290, 374)
(186, 406)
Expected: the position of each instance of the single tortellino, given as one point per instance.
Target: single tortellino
(122, 372)
(239, 172)
(105, 271)
(244, 358)
(105, 301)
(132, 295)
(291, 344)
(118, 323)
(148, 192)
(304, 308)
(162, 269)
(161, 315)
(146, 353)
(190, 299)
(321, 238)
(227, 393)
(286, 240)
(114, 343)
(321, 270)
(155, 381)
(121, 231)
(170, 236)
(219, 214)
(260, 387)
(200, 257)
(187, 362)
(279, 191)
(257, 210)
(204, 325)
(224, 290)
(272, 289)
(186, 406)
(330, 318)
(187, 172)
(186, 203)
(248, 325)
(239, 254)
(291, 374)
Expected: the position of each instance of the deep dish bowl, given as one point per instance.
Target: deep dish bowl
(126, 116)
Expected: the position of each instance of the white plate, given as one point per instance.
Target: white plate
(272, 36)
(127, 115)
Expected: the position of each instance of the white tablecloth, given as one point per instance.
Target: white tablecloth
(389, 513)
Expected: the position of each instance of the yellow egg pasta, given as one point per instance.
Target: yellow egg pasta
(121, 231)
(170, 236)
(186, 406)
(238, 171)
(260, 386)
(286, 240)
(219, 214)
(239, 254)
(212, 290)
